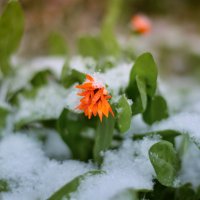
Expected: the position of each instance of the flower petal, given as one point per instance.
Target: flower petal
(87, 85)
(97, 96)
(100, 111)
(94, 110)
(90, 78)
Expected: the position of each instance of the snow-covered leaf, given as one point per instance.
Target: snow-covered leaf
(47, 104)
(165, 162)
(126, 167)
(185, 122)
(168, 135)
(29, 172)
(28, 73)
(66, 190)
(70, 76)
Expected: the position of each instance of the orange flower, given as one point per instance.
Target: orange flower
(95, 98)
(141, 24)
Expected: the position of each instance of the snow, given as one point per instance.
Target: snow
(128, 167)
(115, 79)
(30, 174)
(184, 110)
(36, 169)
(48, 104)
(190, 171)
(184, 94)
(118, 77)
(137, 125)
(84, 65)
(28, 69)
(54, 147)
(185, 122)
(54, 64)
(72, 99)
(98, 83)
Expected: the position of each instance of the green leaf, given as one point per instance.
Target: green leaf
(165, 162)
(98, 47)
(57, 44)
(106, 43)
(156, 110)
(41, 78)
(72, 134)
(4, 111)
(4, 187)
(142, 90)
(70, 76)
(65, 191)
(145, 68)
(184, 145)
(22, 76)
(198, 192)
(112, 14)
(103, 137)
(124, 114)
(11, 31)
(160, 192)
(111, 46)
(168, 135)
(91, 46)
(105, 63)
(186, 192)
(126, 194)
(142, 82)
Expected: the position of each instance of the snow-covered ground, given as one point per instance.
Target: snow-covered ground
(34, 171)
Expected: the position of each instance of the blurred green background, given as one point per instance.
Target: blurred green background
(174, 39)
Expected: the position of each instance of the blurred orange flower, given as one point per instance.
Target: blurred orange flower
(95, 98)
(141, 24)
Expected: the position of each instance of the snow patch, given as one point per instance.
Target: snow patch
(117, 78)
(27, 70)
(84, 65)
(48, 104)
(30, 174)
(128, 167)
(190, 171)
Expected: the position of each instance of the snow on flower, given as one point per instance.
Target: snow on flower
(95, 98)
